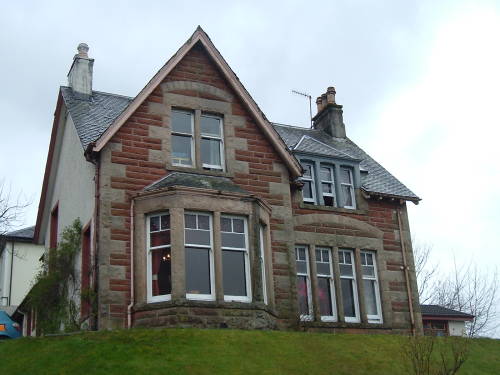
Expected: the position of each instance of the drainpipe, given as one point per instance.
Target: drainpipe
(129, 307)
(11, 270)
(407, 274)
(95, 160)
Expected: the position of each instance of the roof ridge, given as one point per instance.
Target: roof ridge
(104, 93)
(291, 126)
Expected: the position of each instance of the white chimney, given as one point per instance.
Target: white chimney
(80, 74)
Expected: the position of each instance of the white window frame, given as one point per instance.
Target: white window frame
(149, 253)
(308, 317)
(221, 139)
(354, 319)
(262, 247)
(311, 180)
(351, 186)
(330, 277)
(181, 134)
(333, 194)
(248, 297)
(372, 318)
(211, 296)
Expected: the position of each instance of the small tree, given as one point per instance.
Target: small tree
(11, 209)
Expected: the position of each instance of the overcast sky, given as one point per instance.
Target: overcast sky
(419, 81)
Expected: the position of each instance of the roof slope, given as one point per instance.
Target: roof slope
(377, 180)
(437, 310)
(93, 117)
(24, 233)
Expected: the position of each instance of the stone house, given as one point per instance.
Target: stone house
(198, 211)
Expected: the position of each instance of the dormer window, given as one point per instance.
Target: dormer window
(328, 184)
(197, 140)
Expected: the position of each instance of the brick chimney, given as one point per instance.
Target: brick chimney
(329, 117)
(80, 74)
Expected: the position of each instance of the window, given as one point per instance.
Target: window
(263, 263)
(347, 188)
(326, 289)
(321, 186)
(348, 286)
(327, 186)
(159, 258)
(211, 141)
(303, 282)
(199, 259)
(182, 138)
(235, 261)
(371, 287)
(212, 155)
(308, 191)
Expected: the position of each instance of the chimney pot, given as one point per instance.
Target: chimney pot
(319, 104)
(330, 95)
(83, 50)
(323, 100)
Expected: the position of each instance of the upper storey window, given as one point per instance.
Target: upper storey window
(328, 184)
(197, 140)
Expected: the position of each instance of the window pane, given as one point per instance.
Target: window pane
(368, 271)
(345, 176)
(160, 238)
(154, 224)
(307, 189)
(181, 150)
(181, 122)
(301, 266)
(165, 222)
(161, 277)
(325, 296)
(325, 255)
(210, 125)
(307, 170)
(323, 268)
(300, 253)
(345, 270)
(197, 237)
(225, 224)
(210, 151)
(348, 297)
(238, 226)
(346, 193)
(233, 240)
(326, 188)
(370, 300)
(190, 221)
(203, 222)
(329, 201)
(326, 174)
(302, 295)
(233, 268)
(197, 271)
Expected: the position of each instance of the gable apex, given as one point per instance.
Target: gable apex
(201, 38)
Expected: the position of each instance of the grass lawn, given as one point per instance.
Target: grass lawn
(195, 351)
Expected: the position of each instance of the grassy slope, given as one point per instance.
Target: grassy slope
(192, 351)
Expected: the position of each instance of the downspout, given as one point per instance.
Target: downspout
(129, 307)
(96, 162)
(407, 274)
(11, 270)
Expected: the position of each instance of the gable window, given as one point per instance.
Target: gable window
(303, 282)
(212, 155)
(235, 262)
(308, 191)
(326, 289)
(347, 187)
(182, 138)
(371, 287)
(327, 186)
(159, 258)
(199, 258)
(348, 286)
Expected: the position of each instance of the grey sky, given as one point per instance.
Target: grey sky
(418, 80)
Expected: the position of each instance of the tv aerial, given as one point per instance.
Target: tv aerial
(310, 104)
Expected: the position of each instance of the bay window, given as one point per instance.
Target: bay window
(326, 289)
(182, 123)
(159, 271)
(303, 282)
(371, 287)
(348, 286)
(235, 259)
(199, 258)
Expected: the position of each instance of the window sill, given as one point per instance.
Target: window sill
(332, 324)
(208, 172)
(311, 206)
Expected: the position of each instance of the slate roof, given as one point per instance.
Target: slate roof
(436, 310)
(377, 180)
(93, 117)
(25, 233)
(196, 181)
